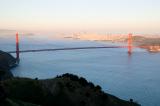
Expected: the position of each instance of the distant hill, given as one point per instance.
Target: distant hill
(144, 40)
(6, 31)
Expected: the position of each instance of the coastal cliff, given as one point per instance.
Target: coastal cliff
(7, 62)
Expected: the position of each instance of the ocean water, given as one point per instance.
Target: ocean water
(136, 76)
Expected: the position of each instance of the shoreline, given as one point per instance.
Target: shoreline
(13, 86)
(150, 43)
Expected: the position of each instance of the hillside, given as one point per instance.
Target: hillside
(65, 90)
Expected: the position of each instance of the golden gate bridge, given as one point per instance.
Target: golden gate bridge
(129, 47)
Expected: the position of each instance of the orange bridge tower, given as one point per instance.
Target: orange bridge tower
(17, 48)
(129, 43)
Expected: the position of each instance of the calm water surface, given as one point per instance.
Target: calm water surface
(136, 76)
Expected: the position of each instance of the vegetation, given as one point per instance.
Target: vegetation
(64, 90)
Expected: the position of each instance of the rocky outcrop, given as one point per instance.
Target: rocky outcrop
(7, 62)
(65, 90)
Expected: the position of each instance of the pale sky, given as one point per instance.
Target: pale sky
(137, 16)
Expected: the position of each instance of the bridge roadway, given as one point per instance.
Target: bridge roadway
(63, 49)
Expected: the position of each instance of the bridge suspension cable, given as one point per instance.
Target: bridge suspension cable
(129, 46)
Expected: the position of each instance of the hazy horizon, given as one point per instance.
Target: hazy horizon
(112, 16)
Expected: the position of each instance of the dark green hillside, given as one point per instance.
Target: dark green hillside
(65, 90)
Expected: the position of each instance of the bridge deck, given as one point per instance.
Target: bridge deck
(73, 48)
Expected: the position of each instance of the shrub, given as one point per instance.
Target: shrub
(91, 85)
(83, 81)
(98, 87)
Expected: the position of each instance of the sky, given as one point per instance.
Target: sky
(120, 16)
